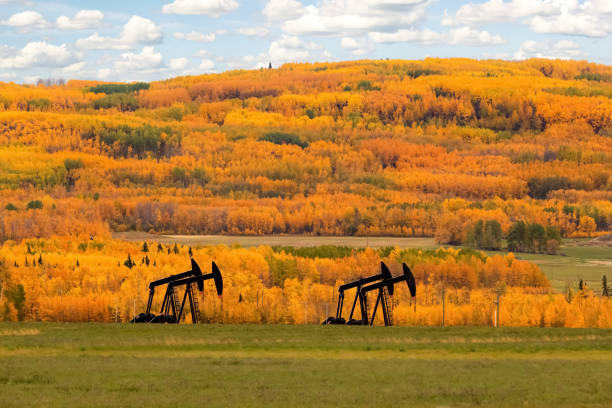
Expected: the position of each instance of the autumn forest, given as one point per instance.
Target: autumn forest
(486, 154)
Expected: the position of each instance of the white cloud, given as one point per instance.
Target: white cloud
(178, 64)
(355, 47)
(289, 48)
(39, 54)
(138, 30)
(84, 19)
(356, 17)
(498, 10)
(349, 43)
(590, 18)
(141, 30)
(74, 68)
(103, 73)
(211, 8)
(462, 35)
(147, 59)
(571, 24)
(206, 65)
(253, 31)
(196, 36)
(26, 20)
(563, 49)
(280, 10)
(203, 53)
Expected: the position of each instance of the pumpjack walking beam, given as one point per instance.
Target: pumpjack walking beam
(195, 271)
(385, 291)
(190, 283)
(384, 274)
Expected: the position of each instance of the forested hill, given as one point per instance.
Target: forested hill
(442, 147)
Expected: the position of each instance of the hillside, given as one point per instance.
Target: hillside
(404, 148)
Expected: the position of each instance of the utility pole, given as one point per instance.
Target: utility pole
(443, 304)
(498, 293)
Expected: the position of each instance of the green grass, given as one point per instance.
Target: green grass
(106, 365)
(573, 263)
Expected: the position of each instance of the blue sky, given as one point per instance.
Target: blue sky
(155, 39)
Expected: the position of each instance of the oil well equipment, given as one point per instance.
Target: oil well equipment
(172, 309)
(384, 283)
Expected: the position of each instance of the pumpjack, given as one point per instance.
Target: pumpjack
(385, 284)
(172, 308)
(385, 294)
(384, 274)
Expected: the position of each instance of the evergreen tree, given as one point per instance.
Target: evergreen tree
(190, 252)
(175, 249)
(581, 284)
(145, 247)
(536, 237)
(517, 236)
(492, 235)
(605, 291)
(474, 235)
(160, 248)
(16, 295)
(129, 263)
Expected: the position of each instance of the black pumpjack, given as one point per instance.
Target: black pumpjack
(384, 274)
(384, 283)
(172, 307)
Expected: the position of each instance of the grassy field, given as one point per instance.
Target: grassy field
(574, 263)
(279, 240)
(104, 365)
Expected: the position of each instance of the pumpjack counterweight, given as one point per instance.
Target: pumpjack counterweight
(173, 307)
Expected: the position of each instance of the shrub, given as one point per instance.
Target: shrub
(35, 205)
(281, 138)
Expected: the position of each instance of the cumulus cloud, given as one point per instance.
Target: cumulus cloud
(354, 17)
(203, 53)
(74, 68)
(280, 10)
(84, 19)
(147, 59)
(290, 48)
(463, 36)
(563, 49)
(178, 64)
(211, 8)
(138, 30)
(580, 24)
(253, 31)
(590, 18)
(39, 54)
(206, 65)
(26, 20)
(355, 47)
(498, 10)
(196, 36)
